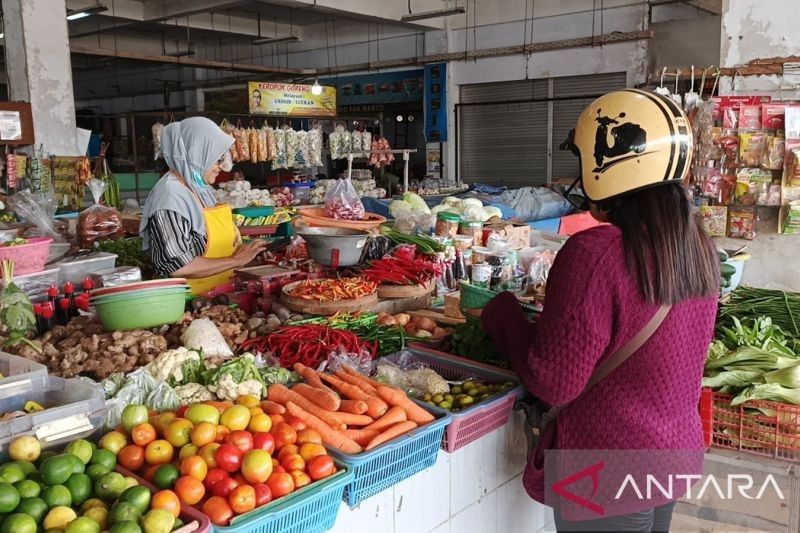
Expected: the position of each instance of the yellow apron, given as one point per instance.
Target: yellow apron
(221, 239)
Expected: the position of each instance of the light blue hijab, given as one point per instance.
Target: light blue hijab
(190, 147)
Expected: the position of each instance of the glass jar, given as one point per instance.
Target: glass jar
(474, 229)
(447, 224)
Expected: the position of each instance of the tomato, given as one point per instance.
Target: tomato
(279, 469)
(204, 433)
(264, 441)
(228, 457)
(167, 500)
(189, 489)
(218, 510)
(188, 450)
(289, 449)
(160, 421)
(256, 466)
(235, 417)
(259, 422)
(280, 484)
(222, 432)
(179, 432)
(239, 478)
(242, 499)
(224, 487)
(300, 478)
(308, 435)
(158, 452)
(208, 453)
(181, 411)
(284, 434)
(276, 419)
(131, 457)
(221, 406)
(263, 494)
(320, 467)
(194, 466)
(295, 422)
(149, 472)
(214, 476)
(241, 439)
(255, 411)
(249, 400)
(293, 462)
(143, 434)
(310, 450)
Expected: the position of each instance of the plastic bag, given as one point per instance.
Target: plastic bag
(359, 361)
(415, 378)
(742, 223)
(98, 222)
(342, 201)
(114, 277)
(377, 246)
(203, 335)
(714, 219)
(38, 209)
(138, 387)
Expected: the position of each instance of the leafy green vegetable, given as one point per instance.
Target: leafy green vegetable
(786, 377)
(733, 378)
(749, 356)
(240, 369)
(768, 391)
(748, 302)
(472, 342)
(130, 253)
(17, 320)
(277, 374)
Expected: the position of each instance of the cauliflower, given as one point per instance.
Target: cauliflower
(227, 388)
(169, 364)
(193, 393)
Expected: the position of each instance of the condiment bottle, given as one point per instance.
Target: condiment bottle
(88, 285)
(48, 322)
(69, 292)
(63, 311)
(37, 310)
(460, 268)
(52, 295)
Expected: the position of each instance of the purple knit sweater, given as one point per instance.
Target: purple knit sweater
(593, 308)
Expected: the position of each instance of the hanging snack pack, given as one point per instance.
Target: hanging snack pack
(714, 219)
(742, 223)
(98, 222)
(342, 201)
(773, 116)
(774, 151)
(751, 147)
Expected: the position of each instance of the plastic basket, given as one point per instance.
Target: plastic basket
(390, 463)
(28, 258)
(473, 297)
(483, 417)
(759, 427)
(19, 373)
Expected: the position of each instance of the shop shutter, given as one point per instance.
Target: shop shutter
(506, 143)
(566, 113)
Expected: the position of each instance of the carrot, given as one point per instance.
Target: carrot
(328, 401)
(375, 406)
(394, 431)
(357, 407)
(396, 397)
(352, 380)
(272, 408)
(361, 377)
(280, 394)
(312, 377)
(361, 436)
(354, 420)
(329, 435)
(395, 415)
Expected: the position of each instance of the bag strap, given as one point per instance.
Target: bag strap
(619, 357)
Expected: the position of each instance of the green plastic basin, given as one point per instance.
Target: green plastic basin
(144, 311)
(124, 296)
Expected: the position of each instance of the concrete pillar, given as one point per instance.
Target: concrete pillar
(39, 69)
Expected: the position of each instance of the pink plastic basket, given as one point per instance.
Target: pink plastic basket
(28, 258)
(482, 418)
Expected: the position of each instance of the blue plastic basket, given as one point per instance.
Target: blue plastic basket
(400, 458)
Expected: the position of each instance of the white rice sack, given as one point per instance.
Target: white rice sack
(202, 334)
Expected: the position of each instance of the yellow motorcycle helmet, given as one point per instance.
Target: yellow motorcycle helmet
(629, 140)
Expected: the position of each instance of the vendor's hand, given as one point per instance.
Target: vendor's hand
(474, 312)
(247, 252)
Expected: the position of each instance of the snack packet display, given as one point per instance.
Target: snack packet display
(774, 151)
(751, 147)
(792, 122)
(715, 218)
(742, 223)
(773, 116)
(750, 117)
(791, 218)
(791, 164)
(709, 180)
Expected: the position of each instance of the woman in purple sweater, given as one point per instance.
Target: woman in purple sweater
(606, 284)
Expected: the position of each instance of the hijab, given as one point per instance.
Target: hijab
(190, 147)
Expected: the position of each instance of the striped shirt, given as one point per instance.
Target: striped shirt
(173, 242)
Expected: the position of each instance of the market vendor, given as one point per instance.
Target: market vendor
(187, 234)
(649, 280)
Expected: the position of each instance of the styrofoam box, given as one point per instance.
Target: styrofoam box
(77, 270)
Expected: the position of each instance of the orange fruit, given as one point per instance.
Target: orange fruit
(179, 432)
(143, 434)
(204, 433)
(190, 490)
(260, 422)
(167, 500)
(249, 400)
(194, 466)
(208, 452)
(159, 452)
(235, 417)
(187, 451)
(131, 457)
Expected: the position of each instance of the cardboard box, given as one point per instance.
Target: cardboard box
(452, 305)
(518, 235)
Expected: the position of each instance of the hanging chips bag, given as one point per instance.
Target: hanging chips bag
(742, 223)
(751, 147)
(715, 218)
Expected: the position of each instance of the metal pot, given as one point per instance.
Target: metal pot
(336, 247)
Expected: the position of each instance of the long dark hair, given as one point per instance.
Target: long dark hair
(665, 245)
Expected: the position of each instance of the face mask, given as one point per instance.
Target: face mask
(198, 179)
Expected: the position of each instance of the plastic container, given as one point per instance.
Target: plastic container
(447, 224)
(747, 428)
(78, 269)
(483, 417)
(35, 285)
(74, 409)
(29, 257)
(390, 463)
(147, 310)
(252, 212)
(315, 216)
(18, 373)
(474, 230)
(300, 191)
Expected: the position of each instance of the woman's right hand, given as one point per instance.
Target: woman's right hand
(246, 253)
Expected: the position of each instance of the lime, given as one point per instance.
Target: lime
(110, 486)
(9, 498)
(166, 476)
(44, 455)
(56, 470)
(95, 472)
(80, 488)
(138, 496)
(126, 526)
(83, 524)
(91, 503)
(77, 465)
(27, 488)
(178, 523)
(104, 458)
(122, 512)
(25, 449)
(57, 495)
(59, 517)
(26, 466)
(34, 507)
(11, 473)
(18, 523)
(99, 515)
(82, 449)
(158, 521)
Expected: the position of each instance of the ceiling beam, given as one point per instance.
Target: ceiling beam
(383, 11)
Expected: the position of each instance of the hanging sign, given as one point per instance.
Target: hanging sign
(436, 102)
(268, 98)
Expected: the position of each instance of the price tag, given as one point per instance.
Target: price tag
(63, 428)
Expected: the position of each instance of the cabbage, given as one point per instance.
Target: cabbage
(435, 210)
(491, 211)
(417, 203)
(451, 201)
(470, 202)
(399, 208)
(473, 214)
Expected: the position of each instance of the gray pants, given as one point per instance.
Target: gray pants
(651, 521)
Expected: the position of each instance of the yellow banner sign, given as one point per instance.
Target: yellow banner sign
(290, 100)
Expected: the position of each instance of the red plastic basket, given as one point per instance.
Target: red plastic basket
(484, 417)
(759, 427)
